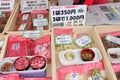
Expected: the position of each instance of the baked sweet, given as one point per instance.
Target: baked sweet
(6, 66)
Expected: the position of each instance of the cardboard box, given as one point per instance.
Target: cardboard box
(91, 32)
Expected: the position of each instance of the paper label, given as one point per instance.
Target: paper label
(16, 46)
(39, 16)
(25, 16)
(1, 43)
(22, 26)
(6, 5)
(30, 5)
(83, 41)
(113, 39)
(32, 34)
(66, 39)
(74, 76)
(40, 22)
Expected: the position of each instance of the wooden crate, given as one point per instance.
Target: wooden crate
(9, 20)
(12, 24)
(90, 31)
(107, 29)
(49, 66)
(3, 37)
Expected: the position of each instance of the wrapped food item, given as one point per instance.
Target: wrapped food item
(111, 40)
(6, 65)
(93, 71)
(12, 76)
(43, 47)
(37, 78)
(21, 63)
(24, 26)
(40, 19)
(23, 18)
(16, 46)
(63, 39)
(4, 16)
(40, 14)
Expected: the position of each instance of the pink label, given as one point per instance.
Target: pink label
(59, 31)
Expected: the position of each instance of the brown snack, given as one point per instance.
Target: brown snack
(21, 63)
(38, 62)
(6, 66)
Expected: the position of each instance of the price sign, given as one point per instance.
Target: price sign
(71, 15)
(30, 5)
(6, 5)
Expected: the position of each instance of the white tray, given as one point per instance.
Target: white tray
(77, 59)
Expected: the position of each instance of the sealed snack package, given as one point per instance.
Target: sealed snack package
(23, 18)
(40, 19)
(16, 46)
(12, 76)
(40, 14)
(93, 71)
(4, 16)
(43, 47)
(38, 79)
(111, 40)
(63, 39)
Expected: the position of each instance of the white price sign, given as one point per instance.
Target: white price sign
(6, 5)
(30, 5)
(32, 34)
(71, 15)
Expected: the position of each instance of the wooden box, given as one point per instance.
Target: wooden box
(91, 32)
(107, 29)
(49, 65)
(4, 39)
(9, 20)
(12, 24)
